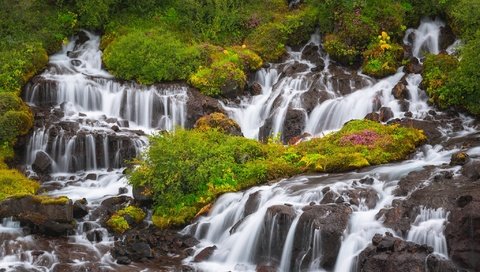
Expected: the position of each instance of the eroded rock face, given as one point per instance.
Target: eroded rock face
(51, 219)
(388, 253)
(328, 222)
(276, 224)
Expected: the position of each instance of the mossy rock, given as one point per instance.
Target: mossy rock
(220, 122)
(124, 219)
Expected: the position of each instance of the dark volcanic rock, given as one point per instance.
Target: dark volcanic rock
(294, 124)
(199, 105)
(385, 114)
(414, 66)
(373, 116)
(391, 254)
(42, 163)
(252, 203)
(472, 169)
(276, 224)
(80, 208)
(430, 128)
(400, 91)
(311, 53)
(295, 68)
(328, 221)
(49, 219)
(204, 254)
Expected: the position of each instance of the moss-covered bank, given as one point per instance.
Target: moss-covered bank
(188, 169)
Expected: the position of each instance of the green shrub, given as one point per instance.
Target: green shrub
(13, 183)
(150, 57)
(339, 50)
(188, 169)
(462, 88)
(465, 17)
(437, 71)
(118, 221)
(382, 58)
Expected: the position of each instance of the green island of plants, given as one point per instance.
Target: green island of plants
(189, 168)
(118, 222)
(15, 184)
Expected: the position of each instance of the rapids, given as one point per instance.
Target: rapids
(93, 123)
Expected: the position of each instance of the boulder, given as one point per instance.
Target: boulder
(219, 121)
(430, 128)
(42, 163)
(199, 105)
(414, 66)
(252, 203)
(204, 254)
(296, 67)
(326, 221)
(385, 114)
(471, 169)
(294, 124)
(400, 91)
(80, 208)
(276, 224)
(311, 53)
(366, 195)
(391, 254)
(51, 217)
(459, 158)
(373, 116)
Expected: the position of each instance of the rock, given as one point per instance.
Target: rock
(297, 139)
(311, 53)
(91, 176)
(111, 120)
(135, 250)
(430, 128)
(408, 114)
(367, 180)
(76, 62)
(95, 236)
(252, 203)
(231, 89)
(368, 195)
(472, 169)
(404, 105)
(385, 114)
(42, 163)
(276, 224)
(311, 98)
(266, 268)
(48, 218)
(219, 121)
(373, 116)
(80, 208)
(389, 254)
(294, 124)
(296, 67)
(199, 105)
(414, 66)
(82, 37)
(329, 221)
(255, 88)
(329, 197)
(204, 254)
(115, 128)
(446, 37)
(459, 158)
(122, 190)
(463, 231)
(143, 195)
(400, 91)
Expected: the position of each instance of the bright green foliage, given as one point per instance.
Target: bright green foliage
(150, 57)
(13, 183)
(48, 200)
(226, 70)
(118, 224)
(188, 169)
(463, 84)
(219, 121)
(382, 58)
(118, 221)
(436, 73)
(340, 50)
(465, 17)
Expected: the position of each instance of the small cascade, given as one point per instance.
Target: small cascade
(425, 39)
(428, 229)
(87, 127)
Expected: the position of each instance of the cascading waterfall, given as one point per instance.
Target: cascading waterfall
(240, 224)
(87, 126)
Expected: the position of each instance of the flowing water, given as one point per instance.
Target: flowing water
(264, 235)
(94, 123)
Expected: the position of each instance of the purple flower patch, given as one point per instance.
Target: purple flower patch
(365, 137)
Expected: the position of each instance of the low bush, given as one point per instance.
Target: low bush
(118, 222)
(382, 58)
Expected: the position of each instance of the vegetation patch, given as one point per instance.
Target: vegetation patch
(188, 169)
(118, 222)
(382, 58)
(14, 184)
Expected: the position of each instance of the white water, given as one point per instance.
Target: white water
(102, 124)
(237, 236)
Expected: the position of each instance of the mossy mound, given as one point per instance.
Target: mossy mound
(119, 221)
(189, 169)
(14, 184)
(219, 121)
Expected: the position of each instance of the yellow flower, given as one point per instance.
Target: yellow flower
(225, 51)
(385, 46)
(244, 46)
(384, 35)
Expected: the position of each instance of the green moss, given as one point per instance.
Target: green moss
(48, 200)
(382, 58)
(217, 121)
(118, 221)
(189, 169)
(13, 183)
(118, 224)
